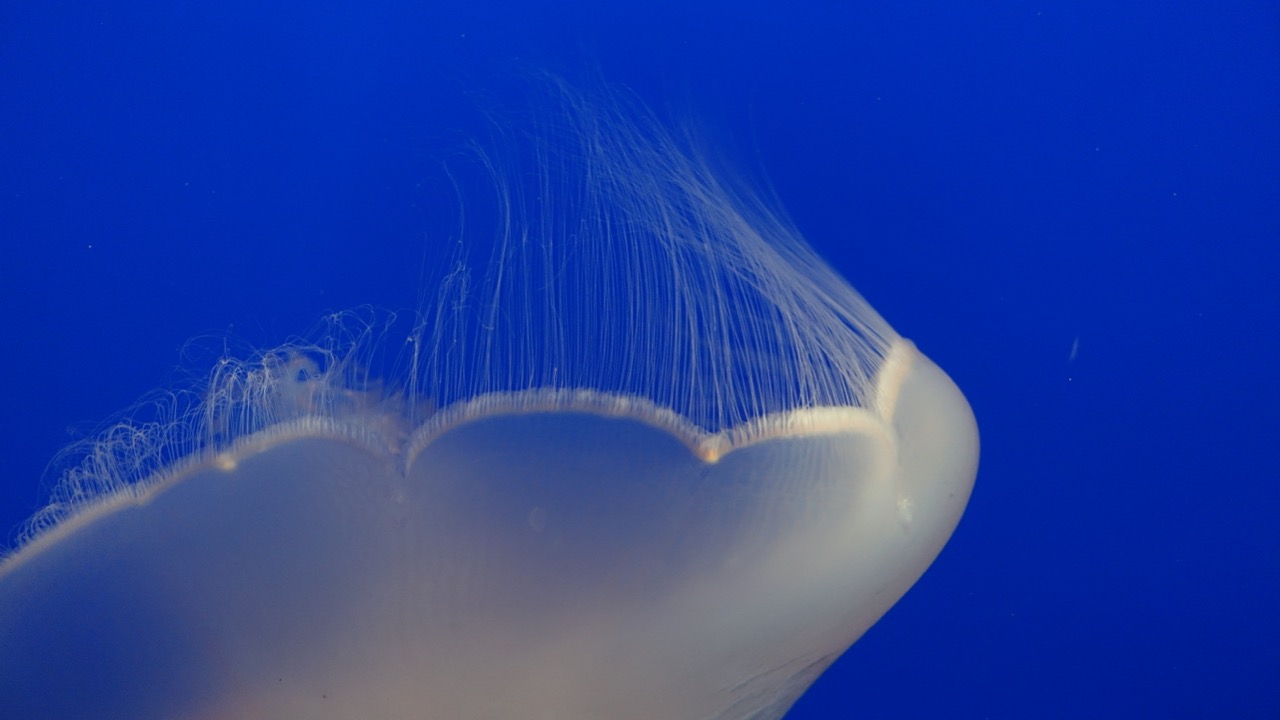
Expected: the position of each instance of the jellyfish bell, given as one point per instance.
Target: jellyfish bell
(654, 460)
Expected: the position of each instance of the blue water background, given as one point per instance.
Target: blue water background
(1073, 206)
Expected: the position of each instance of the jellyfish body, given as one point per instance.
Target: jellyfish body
(672, 467)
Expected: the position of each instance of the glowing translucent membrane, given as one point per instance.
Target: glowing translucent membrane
(660, 463)
(527, 565)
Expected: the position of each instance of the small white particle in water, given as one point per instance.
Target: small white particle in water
(538, 519)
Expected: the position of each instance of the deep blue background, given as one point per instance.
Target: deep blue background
(1002, 180)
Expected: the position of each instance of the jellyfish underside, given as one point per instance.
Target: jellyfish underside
(565, 550)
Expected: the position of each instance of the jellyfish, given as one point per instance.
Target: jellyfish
(647, 458)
